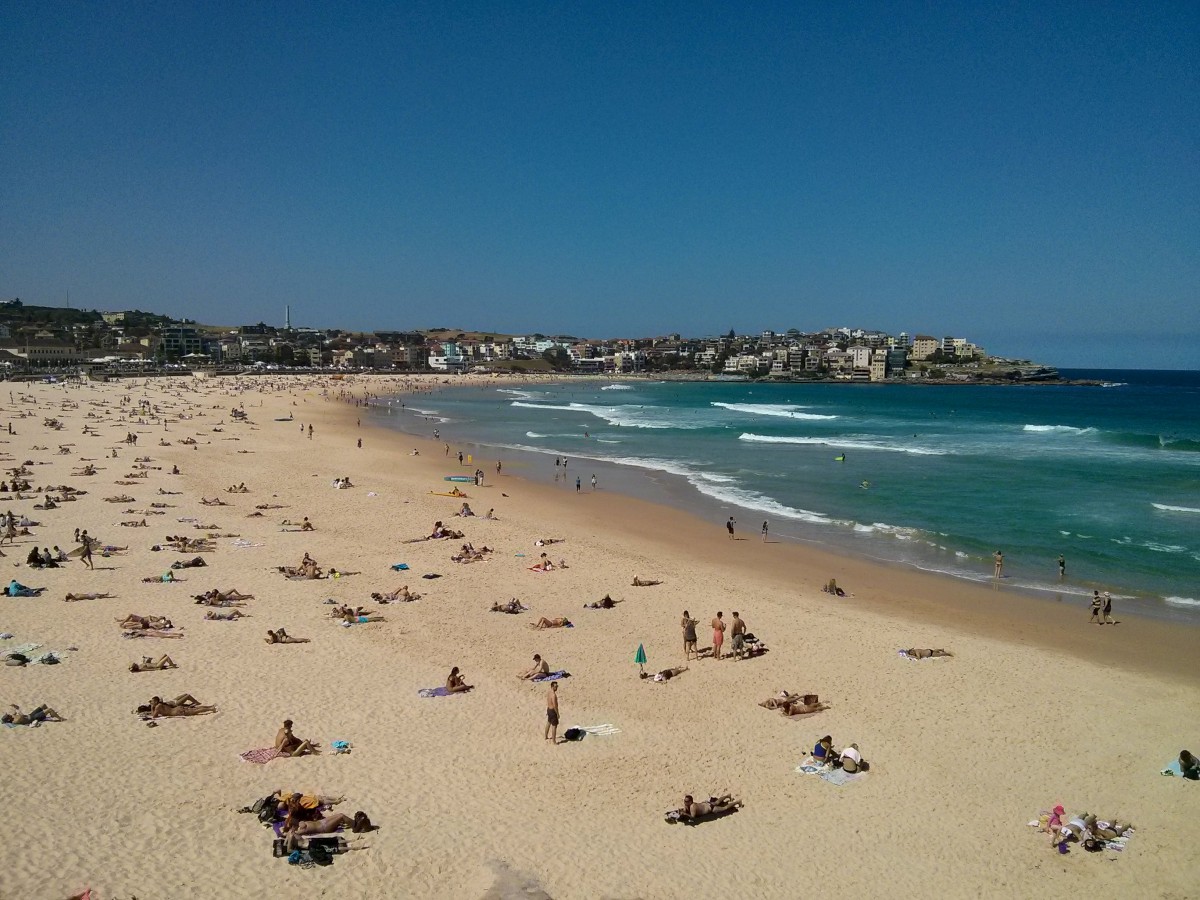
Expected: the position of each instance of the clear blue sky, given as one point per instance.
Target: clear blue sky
(1026, 175)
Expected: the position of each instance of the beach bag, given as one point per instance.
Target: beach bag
(574, 734)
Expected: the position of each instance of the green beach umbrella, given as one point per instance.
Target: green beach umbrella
(640, 657)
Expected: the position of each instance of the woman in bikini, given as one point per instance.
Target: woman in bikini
(718, 627)
(282, 637)
(455, 683)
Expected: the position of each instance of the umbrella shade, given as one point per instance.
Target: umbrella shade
(640, 657)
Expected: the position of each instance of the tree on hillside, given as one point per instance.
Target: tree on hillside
(558, 358)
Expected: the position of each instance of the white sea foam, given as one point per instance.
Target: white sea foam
(1168, 508)
(1163, 548)
(1182, 601)
(616, 387)
(627, 416)
(1058, 429)
(785, 410)
(841, 444)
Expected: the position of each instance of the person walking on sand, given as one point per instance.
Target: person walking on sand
(688, 624)
(718, 627)
(1097, 603)
(593, 481)
(86, 556)
(729, 523)
(1062, 567)
(765, 529)
(577, 484)
(1108, 620)
(551, 732)
(998, 559)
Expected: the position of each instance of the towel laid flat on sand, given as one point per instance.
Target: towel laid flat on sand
(599, 729)
(434, 692)
(904, 655)
(263, 755)
(23, 649)
(400, 567)
(827, 772)
(553, 676)
(1173, 768)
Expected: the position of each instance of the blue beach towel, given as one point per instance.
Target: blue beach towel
(433, 692)
(399, 567)
(553, 676)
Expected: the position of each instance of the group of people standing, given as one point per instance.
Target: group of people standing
(736, 629)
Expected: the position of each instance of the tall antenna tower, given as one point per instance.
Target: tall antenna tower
(287, 317)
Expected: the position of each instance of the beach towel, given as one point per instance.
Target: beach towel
(242, 543)
(827, 772)
(433, 692)
(605, 729)
(50, 658)
(340, 746)
(553, 676)
(261, 756)
(400, 567)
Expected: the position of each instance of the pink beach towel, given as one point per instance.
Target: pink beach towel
(264, 755)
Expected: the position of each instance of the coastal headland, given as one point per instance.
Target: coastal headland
(1035, 707)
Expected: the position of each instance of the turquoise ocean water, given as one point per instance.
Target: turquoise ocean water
(936, 477)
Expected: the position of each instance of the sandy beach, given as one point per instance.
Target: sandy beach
(1035, 708)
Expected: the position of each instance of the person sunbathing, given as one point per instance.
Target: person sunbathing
(328, 825)
(512, 606)
(543, 622)
(642, 582)
(544, 564)
(155, 623)
(233, 594)
(342, 612)
(16, 589)
(715, 806)
(224, 615)
(925, 654)
(455, 683)
(605, 602)
(136, 523)
(290, 745)
(665, 674)
(89, 596)
(149, 664)
(401, 595)
(358, 617)
(804, 706)
(196, 562)
(784, 700)
(823, 751)
(545, 542)
(166, 577)
(539, 667)
(280, 636)
(42, 713)
(215, 501)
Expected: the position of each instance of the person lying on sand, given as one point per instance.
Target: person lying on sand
(644, 582)
(359, 617)
(135, 523)
(157, 623)
(925, 654)
(224, 615)
(342, 612)
(42, 713)
(806, 705)
(512, 607)
(539, 667)
(401, 595)
(149, 664)
(605, 602)
(233, 594)
(89, 596)
(455, 683)
(167, 711)
(665, 674)
(280, 636)
(215, 501)
(327, 825)
(545, 542)
(785, 699)
(714, 806)
(290, 745)
(196, 562)
(166, 577)
(16, 589)
(543, 622)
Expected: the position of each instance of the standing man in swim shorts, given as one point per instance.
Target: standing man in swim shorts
(729, 526)
(551, 733)
(738, 630)
(718, 627)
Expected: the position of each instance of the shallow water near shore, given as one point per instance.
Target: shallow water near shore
(935, 477)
